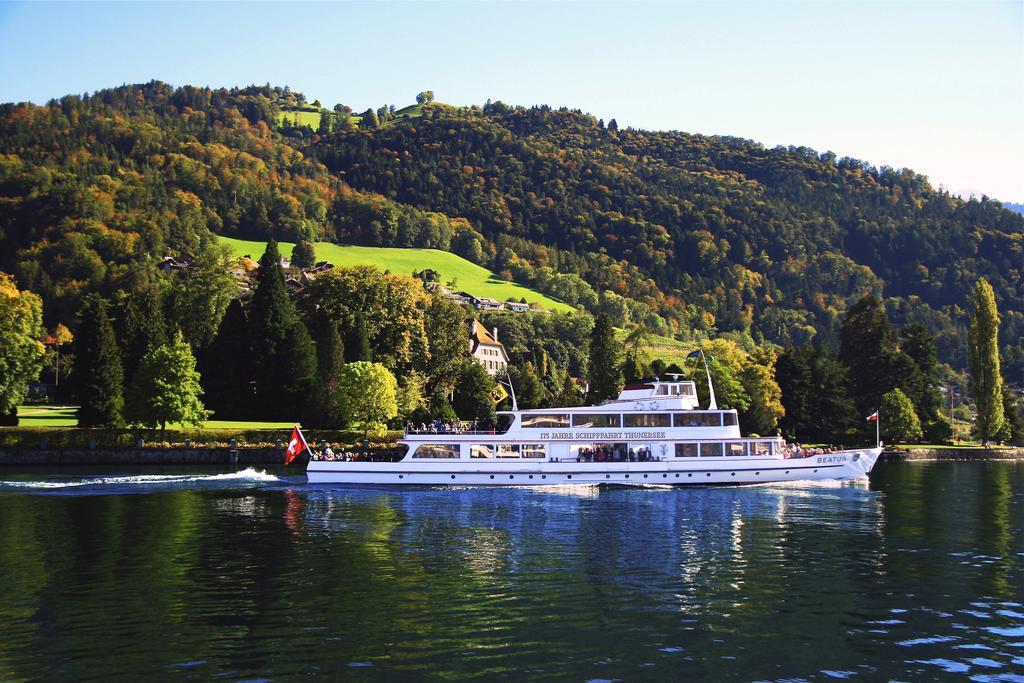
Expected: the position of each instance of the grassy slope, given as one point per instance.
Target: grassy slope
(666, 348)
(65, 416)
(470, 277)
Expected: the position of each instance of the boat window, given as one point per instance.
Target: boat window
(481, 451)
(596, 420)
(760, 447)
(437, 450)
(710, 450)
(546, 421)
(508, 450)
(682, 389)
(698, 419)
(648, 420)
(534, 450)
(730, 419)
(662, 390)
(686, 450)
(735, 448)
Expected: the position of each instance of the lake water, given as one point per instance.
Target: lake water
(915, 575)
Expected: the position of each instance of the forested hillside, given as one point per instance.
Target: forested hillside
(687, 235)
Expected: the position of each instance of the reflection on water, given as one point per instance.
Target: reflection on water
(915, 575)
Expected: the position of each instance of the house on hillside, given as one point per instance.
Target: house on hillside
(517, 306)
(484, 303)
(486, 349)
(169, 264)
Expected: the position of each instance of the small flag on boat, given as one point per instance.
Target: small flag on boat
(296, 445)
(693, 354)
(873, 416)
(498, 394)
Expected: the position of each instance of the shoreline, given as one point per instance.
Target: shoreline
(243, 457)
(953, 454)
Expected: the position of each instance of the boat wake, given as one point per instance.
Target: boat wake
(141, 482)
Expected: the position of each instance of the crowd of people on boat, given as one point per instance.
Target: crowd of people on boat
(795, 450)
(614, 454)
(371, 455)
(443, 427)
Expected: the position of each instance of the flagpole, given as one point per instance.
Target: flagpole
(712, 404)
(878, 429)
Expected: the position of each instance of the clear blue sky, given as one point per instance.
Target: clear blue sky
(937, 87)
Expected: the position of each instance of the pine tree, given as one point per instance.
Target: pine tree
(297, 370)
(868, 350)
(271, 316)
(983, 361)
(99, 376)
(303, 254)
(604, 370)
(142, 327)
(922, 389)
(357, 341)
(227, 367)
(325, 410)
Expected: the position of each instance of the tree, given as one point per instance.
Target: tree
(368, 395)
(815, 395)
(303, 254)
(201, 298)
(297, 372)
(604, 369)
(99, 376)
(167, 388)
(21, 351)
(61, 337)
(613, 125)
(411, 399)
(530, 391)
(357, 341)
(425, 97)
(758, 379)
(271, 317)
(473, 399)
(226, 367)
(325, 409)
(983, 361)
(1013, 417)
(368, 119)
(142, 326)
(868, 350)
(447, 341)
(899, 421)
(922, 388)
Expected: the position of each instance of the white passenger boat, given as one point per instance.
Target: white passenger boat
(653, 434)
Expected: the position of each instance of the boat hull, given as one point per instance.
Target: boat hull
(851, 464)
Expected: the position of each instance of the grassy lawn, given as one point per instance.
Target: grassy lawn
(469, 277)
(47, 416)
(65, 416)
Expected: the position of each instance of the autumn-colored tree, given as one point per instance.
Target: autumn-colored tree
(21, 351)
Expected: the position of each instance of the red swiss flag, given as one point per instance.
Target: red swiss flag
(296, 445)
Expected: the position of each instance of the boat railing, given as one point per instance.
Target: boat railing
(416, 431)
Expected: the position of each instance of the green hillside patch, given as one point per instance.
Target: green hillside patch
(302, 118)
(665, 348)
(468, 276)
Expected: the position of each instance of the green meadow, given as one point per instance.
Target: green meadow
(45, 415)
(468, 276)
